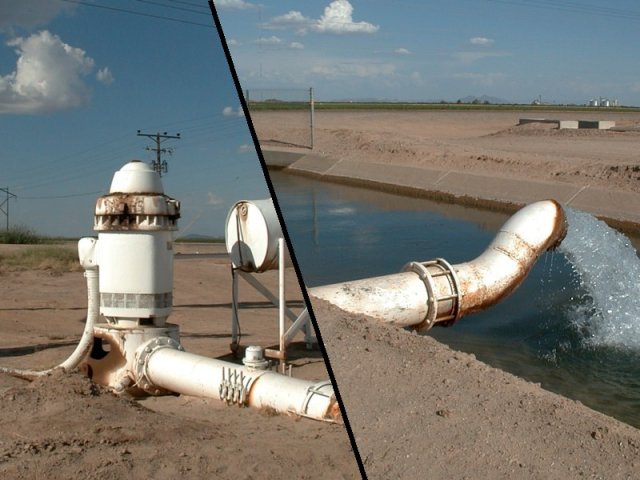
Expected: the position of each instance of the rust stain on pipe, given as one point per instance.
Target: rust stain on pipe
(560, 228)
(333, 412)
(480, 286)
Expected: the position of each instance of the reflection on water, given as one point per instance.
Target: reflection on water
(342, 233)
(338, 230)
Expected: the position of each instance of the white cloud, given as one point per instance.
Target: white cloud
(336, 19)
(482, 41)
(274, 41)
(246, 148)
(213, 199)
(30, 13)
(230, 112)
(416, 79)
(484, 79)
(233, 43)
(105, 76)
(469, 57)
(48, 76)
(402, 51)
(293, 18)
(353, 70)
(234, 4)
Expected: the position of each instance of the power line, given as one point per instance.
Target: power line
(182, 9)
(133, 12)
(573, 7)
(71, 195)
(205, 7)
(106, 156)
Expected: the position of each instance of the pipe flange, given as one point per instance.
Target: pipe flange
(454, 283)
(444, 268)
(141, 359)
(432, 305)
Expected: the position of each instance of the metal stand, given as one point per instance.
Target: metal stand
(300, 322)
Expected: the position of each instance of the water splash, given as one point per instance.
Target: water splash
(606, 304)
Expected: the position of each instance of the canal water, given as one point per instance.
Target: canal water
(573, 325)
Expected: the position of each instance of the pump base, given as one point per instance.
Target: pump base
(112, 360)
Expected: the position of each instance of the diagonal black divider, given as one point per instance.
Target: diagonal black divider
(254, 136)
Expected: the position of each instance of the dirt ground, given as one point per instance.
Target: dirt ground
(471, 141)
(64, 426)
(417, 408)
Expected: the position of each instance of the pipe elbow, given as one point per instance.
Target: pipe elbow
(541, 226)
(534, 229)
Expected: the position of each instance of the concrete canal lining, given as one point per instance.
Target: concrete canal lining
(618, 208)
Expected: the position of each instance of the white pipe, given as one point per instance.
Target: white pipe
(301, 322)
(235, 322)
(185, 373)
(281, 300)
(86, 341)
(436, 292)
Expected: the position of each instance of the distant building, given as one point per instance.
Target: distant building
(603, 102)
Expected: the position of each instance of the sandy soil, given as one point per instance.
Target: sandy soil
(478, 142)
(419, 409)
(66, 427)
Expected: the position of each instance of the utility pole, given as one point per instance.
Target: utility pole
(158, 164)
(4, 206)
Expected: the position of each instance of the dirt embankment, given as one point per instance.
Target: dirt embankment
(421, 410)
(64, 426)
(490, 143)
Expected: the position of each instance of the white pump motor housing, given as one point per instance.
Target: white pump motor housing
(136, 224)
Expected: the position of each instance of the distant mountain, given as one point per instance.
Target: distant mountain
(467, 99)
(485, 98)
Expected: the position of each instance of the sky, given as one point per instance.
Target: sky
(76, 84)
(413, 50)
(79, 78)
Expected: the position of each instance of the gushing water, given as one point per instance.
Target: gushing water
(606, 306)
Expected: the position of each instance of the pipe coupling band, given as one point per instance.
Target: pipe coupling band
(142, 361)
(437, 310)
(235, 386)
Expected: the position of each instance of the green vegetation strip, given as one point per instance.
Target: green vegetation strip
(200, 240)
(21, 235)
(277, 106)
(55, 259)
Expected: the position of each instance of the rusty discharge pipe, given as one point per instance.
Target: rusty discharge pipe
(429, 293)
